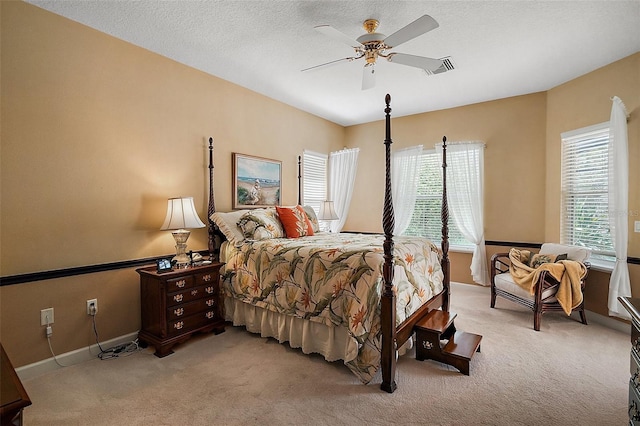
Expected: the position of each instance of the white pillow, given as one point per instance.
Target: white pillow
(228, 224)
(577, 253)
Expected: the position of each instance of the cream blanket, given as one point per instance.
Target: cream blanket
(568, 273)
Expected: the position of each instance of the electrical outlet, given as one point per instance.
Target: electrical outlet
(46, 316)
(92, 307)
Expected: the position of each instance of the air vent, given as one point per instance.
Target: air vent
(447, 65)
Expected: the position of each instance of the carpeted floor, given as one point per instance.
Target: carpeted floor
(566, 374)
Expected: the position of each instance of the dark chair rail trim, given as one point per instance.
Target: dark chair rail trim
(80, 270)
(92, 269)
(513, 244)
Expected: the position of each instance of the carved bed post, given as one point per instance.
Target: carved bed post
(388, 302)
(299, 180)
(213, 249)
(445, 228)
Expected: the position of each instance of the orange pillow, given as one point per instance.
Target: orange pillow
(294, 221)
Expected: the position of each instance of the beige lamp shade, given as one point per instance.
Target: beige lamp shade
(181, 214)
(327, 211)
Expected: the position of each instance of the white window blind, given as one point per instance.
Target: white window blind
(426, 220)
(314, 179)
(585, 169)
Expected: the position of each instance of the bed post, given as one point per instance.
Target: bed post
(213, 251)
(388, 302)
(445, 229)
(299, 180)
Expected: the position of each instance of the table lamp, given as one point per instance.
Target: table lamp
(181, 216)
(327, 212)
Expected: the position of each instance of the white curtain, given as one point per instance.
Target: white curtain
(465, 195)
(342, 174)
(404, 183)
(619, 284)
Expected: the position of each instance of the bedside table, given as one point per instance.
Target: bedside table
(176, 304)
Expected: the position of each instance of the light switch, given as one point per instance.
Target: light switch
(636, 226)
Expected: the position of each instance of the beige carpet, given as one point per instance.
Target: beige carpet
(566, 374)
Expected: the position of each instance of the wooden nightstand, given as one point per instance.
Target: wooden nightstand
(179, 303)
(13, 397)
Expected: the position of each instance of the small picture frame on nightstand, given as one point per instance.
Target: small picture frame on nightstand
(163, 265)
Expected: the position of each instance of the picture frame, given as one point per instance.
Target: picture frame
(256, 181)
(163, 265)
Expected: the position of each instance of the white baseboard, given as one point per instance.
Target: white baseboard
(70, 358)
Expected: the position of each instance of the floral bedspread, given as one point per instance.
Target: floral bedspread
(335, 279)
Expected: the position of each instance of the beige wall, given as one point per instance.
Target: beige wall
(582, 102)
(513, 130)
(96, 135)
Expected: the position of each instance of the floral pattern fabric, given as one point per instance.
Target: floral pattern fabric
(335, 279)
(261, 224)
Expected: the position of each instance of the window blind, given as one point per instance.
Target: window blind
(314, 179)
(426, 220)
(585, 196)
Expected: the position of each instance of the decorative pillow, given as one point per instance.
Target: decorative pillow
(227, 222)
(539, 259)
(577, 253)
(261, 224)
(295, 221)
(311, 214)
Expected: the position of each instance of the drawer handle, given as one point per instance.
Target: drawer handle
(194, 292)
(209, 290)
(177, 298)
(427, 345)
(206, 278)
(178, 325)
(181, 283)
(209, 314)
(210, 302)
(178, 312)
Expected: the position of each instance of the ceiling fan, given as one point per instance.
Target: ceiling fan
(372, 45)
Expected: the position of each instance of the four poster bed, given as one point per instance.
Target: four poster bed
(353, 297)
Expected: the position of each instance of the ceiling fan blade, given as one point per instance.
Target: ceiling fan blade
(415, 61)
(418, 27)
(329, 31)
(328, 64)
(368, 76)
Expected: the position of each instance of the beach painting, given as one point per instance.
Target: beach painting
(256, 181)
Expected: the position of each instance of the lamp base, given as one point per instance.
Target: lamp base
(181, 259)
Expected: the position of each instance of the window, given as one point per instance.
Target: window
(314, 179)
(585, 190)
(426, 220)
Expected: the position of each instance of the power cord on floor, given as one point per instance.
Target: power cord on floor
(118, 351)
(54, 355)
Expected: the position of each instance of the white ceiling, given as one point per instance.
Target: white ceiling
(500, 48)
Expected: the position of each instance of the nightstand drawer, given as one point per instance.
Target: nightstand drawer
(190, 294)
(187, 309)
(205, 278)
(194, 321)
(180, 283)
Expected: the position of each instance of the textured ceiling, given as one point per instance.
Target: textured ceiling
(499, 48)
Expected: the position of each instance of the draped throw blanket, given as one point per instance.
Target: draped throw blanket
(568, 273)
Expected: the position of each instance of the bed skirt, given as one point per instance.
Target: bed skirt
(333, 343)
